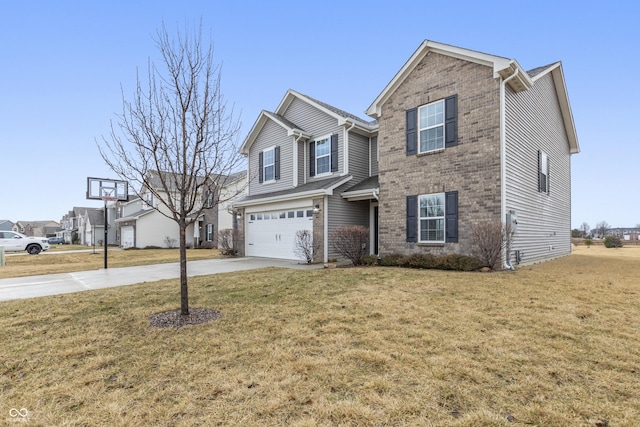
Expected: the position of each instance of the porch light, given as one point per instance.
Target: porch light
(316, 209)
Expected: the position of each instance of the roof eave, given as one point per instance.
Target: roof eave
(496, 62)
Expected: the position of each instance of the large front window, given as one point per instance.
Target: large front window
(269, 166)
(432, 211)
(431, 126)
(323, 156)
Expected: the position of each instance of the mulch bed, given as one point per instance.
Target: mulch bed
(173, 319)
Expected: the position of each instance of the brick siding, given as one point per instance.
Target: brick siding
(472, 167)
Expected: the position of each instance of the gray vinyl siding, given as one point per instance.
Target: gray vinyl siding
(534, 122)
(318, 124)
(374, 156)
(272, 135)
(343, 212)
(358, 157)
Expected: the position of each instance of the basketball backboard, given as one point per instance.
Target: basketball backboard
(107, 189)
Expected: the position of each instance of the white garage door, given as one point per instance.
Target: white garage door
(272, 233)
(126, 237)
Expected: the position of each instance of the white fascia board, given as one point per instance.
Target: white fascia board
(259, 124)
(294, 196)
(358, 195)
(496, 62)
(557, 74)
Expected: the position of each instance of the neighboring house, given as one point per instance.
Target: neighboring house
(70, 224)
(140, 225)
(311, 167)
(234, 189)
(37, 228)
(461, 138)
(6, 225)
(91, 227)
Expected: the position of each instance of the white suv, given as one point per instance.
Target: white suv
(18, 242)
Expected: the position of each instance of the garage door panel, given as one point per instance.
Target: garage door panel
(275, 237)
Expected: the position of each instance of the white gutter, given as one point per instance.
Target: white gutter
(295, 159)
(503, 167)
(346, 145)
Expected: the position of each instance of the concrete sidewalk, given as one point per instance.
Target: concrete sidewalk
(64, 283)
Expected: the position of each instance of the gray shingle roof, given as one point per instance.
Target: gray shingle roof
(370, 183)
(311, 186)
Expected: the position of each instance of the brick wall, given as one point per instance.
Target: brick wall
(472, 167)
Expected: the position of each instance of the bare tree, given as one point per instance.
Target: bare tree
(304, 246)
(489, 239)
(350, 241)
(177, 138)
(601, 228)
(585, 229)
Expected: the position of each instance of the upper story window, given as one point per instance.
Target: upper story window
(269, 164)
(323, 156)
(543, 172)
(431, 126)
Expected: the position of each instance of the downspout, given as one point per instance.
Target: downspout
(295, 160)
(346, 147)
(506, 257)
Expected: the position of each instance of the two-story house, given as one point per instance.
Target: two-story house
(145, 221)
(460, 137)
(303, 158)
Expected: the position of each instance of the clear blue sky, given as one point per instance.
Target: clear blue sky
(63, 65)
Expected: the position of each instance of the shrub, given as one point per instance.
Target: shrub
(419, 261)
(392, 260)
(487, 239)
(227, 239)
(613, 242)
(369, 259)
(429, 261)
(350, 241)
(170, 242)
(304, 246)
(588, 242)
(207, 245)
(458, 262)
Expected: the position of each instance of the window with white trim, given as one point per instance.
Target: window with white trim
(431, 126)
(431, 218)
(543, 172)
(209, 233)
(323, 156)
(269, 165)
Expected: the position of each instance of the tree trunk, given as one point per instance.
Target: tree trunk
(184, 290)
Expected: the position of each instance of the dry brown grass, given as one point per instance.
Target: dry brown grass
(554, 344)
(53, 262)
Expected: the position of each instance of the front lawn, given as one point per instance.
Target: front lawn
(551, 344)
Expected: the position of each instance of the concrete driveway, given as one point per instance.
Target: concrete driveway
(64, 283)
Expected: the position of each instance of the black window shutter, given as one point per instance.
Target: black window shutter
(260, 167)
(412, 218)
(451, 121)
(451, 216)
(276, 162)
(412, 131)
(334, 153)
(312, 158)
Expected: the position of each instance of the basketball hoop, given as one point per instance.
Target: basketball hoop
(109, 199)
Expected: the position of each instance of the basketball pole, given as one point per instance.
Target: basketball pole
(106, 230)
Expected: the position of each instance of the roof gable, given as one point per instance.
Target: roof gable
(342, 117)
(502, 67)
(557, 75)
